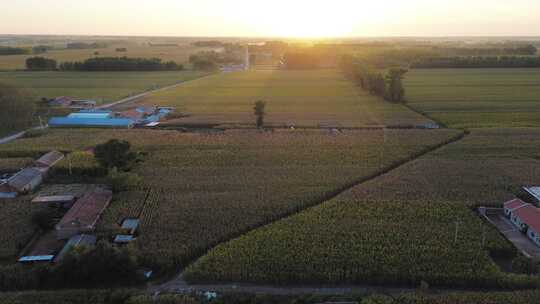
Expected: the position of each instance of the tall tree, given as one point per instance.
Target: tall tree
(16, 109)
(115, 154)
(259, 112)
(394, 81)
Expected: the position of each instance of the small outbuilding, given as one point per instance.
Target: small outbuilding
(130, 225)
(36, 258)
(59, 201)
(123, 239)
(26, 180)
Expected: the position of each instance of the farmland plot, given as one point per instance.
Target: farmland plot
(300, 98)
(399, 228)
(474, 98)
(210, 188)
(102, 87)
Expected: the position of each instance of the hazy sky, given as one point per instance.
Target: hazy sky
(272, 18)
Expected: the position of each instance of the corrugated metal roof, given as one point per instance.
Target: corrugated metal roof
(86, 211)
(50, 159)
(94, 111)
(37, 258)
(24, 177)
(90, 122)
(93, 115)
(131, 224)
(514, 204)
(54, 199)
(123, 238)
(534, 191)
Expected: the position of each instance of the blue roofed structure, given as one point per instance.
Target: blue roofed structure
(36, 258)
(59, 122)
(92, 115)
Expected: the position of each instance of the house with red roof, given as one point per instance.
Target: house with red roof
(84, 214)
(525, 217)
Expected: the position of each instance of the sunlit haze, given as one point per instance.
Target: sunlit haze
(298, 18)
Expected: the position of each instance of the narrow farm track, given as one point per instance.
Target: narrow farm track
(179, 285)
(145, 94)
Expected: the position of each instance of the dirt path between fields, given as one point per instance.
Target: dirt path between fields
(140, 96)
(179, 285)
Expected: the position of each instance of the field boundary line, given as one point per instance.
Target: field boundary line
(324, 198)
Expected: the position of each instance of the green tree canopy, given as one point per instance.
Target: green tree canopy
(16, 109)
(115, 154)
(259, 112)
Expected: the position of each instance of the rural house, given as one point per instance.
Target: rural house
(84, 214)
(50, 159)
(525, 217)
(62, 101)
(26, 180)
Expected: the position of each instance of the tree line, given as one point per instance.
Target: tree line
(116, 64)
(5, 50)
(523, 50)
(478, 62)
(388, 86)
(103, 64)
(84, 46)
(16, 109)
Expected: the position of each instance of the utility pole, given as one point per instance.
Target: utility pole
(457, 231)
(483, 236)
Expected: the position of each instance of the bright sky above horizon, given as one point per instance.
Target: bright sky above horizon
(279, 18)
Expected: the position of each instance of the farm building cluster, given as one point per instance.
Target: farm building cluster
(29, 178)
(139, 117)
(76, 227)
(526, 217)
(81, 205)
(69, 102)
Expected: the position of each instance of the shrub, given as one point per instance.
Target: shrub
(122, 181)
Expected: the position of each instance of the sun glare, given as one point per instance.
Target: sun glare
(306, 19)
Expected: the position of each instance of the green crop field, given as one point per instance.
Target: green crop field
(474, 98)
(206, 189)
(100, 86)
(300, 98)
(398, 228)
